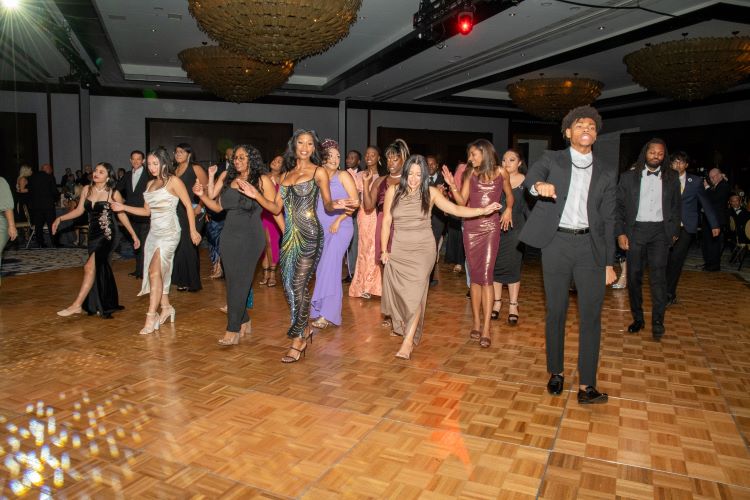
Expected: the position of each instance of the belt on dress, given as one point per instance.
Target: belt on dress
(568, 230)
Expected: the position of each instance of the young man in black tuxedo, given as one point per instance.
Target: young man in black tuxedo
(43, 196)
(573, 223)
(131, 187)
(439, 219)
(648, 224)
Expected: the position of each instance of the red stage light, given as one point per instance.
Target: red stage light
(465, 22)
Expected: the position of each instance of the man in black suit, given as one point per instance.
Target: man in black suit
(573, 224)
(648, 223)
(693, 198)
(42, 198)
(131, 187)
(717, 189)
(439, 219)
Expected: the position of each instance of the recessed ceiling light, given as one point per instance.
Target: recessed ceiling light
(156, 53)
(601, 28)
(512, 14)
(176, 17)
(153, 30)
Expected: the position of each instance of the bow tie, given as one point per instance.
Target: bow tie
(649, 172)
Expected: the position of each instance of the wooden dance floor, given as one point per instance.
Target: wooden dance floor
(89, 407)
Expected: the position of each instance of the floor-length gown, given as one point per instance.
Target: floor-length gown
(406, 276)
(163, 235)
(102, 298)
(510, 253)
(328, 292)
(241, 245)
(482, 234)
(274, 233)
(186, 272)
(301, 247)
(367, 275)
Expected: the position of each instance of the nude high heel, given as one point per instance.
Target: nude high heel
(167, 314)
(150, 328)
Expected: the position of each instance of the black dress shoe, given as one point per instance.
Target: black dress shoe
(555, 385)
(657, 329)
(636, 326)
(591, 396)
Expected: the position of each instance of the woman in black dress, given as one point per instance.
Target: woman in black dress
(186, 273)
(98, 293)
(242, 239)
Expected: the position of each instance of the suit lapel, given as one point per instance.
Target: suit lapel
(565, 162)
(593, 188)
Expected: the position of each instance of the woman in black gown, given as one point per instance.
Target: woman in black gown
(98, 293)
(242, 239)
(186, 270)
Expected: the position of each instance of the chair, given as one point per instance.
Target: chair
(27, 227)
(743, 241)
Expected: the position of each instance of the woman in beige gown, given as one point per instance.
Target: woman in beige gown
(406, 275)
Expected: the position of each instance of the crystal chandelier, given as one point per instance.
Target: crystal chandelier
(232, 76)
(691, 69)
(275, 31)
(552, 98)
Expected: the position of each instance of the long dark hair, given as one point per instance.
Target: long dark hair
(521, 160)
(667, 174)
(424, 187)
(189, 150)
(255, 167)
(290, 155)
(111, 179)
(166, 162)
(489, 158)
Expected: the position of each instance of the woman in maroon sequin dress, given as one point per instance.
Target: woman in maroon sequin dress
(482, 186)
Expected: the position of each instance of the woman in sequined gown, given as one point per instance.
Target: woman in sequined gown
(162, 195)
(302, 181)
(407, 266)
(242, 242)
(481, 186)
(337, 234)
(98, 292)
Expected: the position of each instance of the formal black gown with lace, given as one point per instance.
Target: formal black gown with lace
(103, 298)
(186, 270)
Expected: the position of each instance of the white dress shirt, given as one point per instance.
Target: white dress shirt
(137, 172)
(649, 204)
(575, 213)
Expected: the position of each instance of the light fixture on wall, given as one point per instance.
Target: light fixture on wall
(692, 68)
(232, 76)
(552, 98)
(275, 31)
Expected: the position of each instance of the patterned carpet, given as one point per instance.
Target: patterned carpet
(36, 260)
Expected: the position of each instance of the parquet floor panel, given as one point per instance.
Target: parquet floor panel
(89, 408)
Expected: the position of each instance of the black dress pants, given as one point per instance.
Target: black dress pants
(40, 217)
(648, 246)
(570, 256)
(141, 230)
(676, 260)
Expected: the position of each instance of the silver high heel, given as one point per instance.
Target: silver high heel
(167, 313)
(153, 326)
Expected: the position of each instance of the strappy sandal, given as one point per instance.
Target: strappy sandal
(233, 340)
(387, 323)
(475, 334)
(272, 276)
(496, 312)
(513, 318)
(485, 342)
(321, 323)
(292, 359)
(265, 276)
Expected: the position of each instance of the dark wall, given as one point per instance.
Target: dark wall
(209, 139)
(723, 146)
(18, 144)
(448, 146)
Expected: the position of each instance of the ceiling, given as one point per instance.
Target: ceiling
(131, 46)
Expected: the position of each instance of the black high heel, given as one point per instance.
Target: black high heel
(291, 359)
(513, 318)
(496, 313)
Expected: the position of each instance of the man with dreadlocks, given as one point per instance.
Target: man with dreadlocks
(573, 222)
(648, 224)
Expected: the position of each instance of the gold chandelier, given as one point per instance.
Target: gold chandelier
(691, 69)
(552, 98)
(275, 31)
(232, 76)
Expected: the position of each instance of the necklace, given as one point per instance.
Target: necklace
(582, 168)
(100, 190)
(394, 176)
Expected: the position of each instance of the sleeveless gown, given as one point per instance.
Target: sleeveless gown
(328, 292)
(367, 276)
(186, 271)
(301, 247)
(406, 276)
(274, 233)
(241, 245)
(102, 298)
(482, 234)
(164, 235)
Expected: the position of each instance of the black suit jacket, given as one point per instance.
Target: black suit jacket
(719, 197)
(436, 212)
(134, 194)
(628, 198)
(43, 192)
(555, 168)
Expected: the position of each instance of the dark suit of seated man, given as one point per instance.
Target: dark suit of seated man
(648, 223)
(573, 223)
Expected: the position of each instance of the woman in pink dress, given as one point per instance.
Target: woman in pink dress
(271, 228)
(483, 183)
(367, 280)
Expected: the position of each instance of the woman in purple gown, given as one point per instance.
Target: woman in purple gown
(337, 234)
